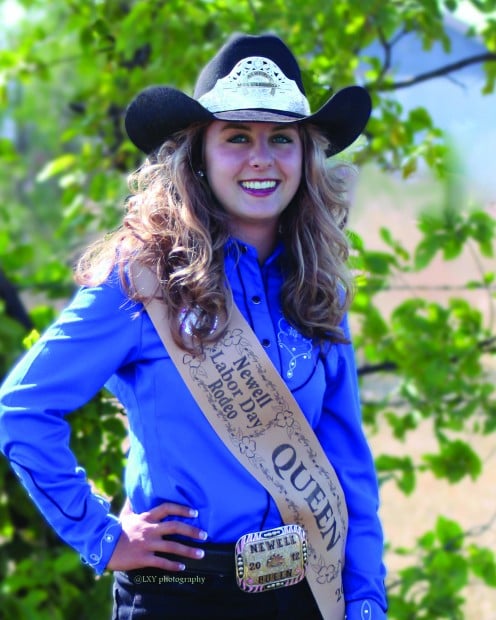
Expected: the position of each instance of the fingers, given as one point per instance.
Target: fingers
(179, 528)
(168, 509)
(172, 527)
(175, 528)
(174, 548)
(143, 536)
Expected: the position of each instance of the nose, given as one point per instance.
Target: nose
(261, 155)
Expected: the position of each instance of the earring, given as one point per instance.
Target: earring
(200, 173)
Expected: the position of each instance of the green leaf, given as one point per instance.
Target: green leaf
(449, 533)
(425, 251)
(455, 461)
(56, 166)
(66, 562)
(483, 564)
(401, 468)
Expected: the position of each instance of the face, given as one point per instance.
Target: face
(254, 170)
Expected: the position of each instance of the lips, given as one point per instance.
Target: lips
(262, 186)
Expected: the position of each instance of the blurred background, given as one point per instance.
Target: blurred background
(422, 229)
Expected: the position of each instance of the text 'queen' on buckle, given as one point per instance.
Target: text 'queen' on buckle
(271, 559)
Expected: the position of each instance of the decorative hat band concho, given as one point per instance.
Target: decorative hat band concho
(255, 82)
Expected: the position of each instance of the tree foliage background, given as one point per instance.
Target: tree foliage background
(67, 71)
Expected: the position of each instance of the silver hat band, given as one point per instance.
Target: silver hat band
(256, 82)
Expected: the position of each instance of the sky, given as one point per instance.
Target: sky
(10, 12)
(466, 12)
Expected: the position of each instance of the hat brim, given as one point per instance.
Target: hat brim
(344, 117)
(159, 111)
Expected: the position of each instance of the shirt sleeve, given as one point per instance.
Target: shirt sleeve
(68, 365)
(364, 610)
(341, 434)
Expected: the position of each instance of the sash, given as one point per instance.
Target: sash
(254, 413)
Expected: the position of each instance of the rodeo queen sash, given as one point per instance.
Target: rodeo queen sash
(254, 413)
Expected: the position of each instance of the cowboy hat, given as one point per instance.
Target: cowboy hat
(252, 79)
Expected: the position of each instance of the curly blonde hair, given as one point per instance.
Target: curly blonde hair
(174, 225)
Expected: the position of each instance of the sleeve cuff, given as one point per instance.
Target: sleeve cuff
(99, 556)
(364, 610)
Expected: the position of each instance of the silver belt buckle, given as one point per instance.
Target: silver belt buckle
(271, 559)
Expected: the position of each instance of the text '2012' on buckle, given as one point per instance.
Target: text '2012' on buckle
(271, 559)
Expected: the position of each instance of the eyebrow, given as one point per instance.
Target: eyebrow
(243, 127)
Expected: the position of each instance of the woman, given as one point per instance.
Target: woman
(234, 207)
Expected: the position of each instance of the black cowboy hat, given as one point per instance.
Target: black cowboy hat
(251, 78)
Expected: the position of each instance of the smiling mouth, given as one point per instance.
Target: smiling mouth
(259, 185)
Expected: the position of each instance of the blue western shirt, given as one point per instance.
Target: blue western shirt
(100, 339)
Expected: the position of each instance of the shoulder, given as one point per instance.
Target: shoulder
(98, 308)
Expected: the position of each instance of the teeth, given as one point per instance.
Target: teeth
(258, 184)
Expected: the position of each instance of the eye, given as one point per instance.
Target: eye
(282, 138)
(238, 138)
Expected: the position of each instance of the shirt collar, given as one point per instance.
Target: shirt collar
(236, 248)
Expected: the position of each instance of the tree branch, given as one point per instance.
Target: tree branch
(487, 346)
(387, 46)
(370, 369)
(429, 75)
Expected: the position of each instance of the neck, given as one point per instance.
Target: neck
(263, 239)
